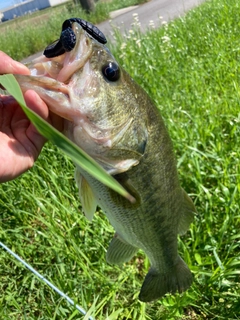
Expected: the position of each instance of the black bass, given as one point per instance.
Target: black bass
(112, 118)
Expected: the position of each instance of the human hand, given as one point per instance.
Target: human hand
(20, 142)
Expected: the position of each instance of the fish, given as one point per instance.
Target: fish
(109, 116)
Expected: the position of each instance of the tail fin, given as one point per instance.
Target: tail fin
(156, 284)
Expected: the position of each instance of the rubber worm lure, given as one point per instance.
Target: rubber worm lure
(67, 39)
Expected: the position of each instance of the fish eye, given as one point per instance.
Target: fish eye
(111, 71)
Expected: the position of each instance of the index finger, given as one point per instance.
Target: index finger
(8, 65)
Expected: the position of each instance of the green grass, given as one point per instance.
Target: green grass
(27, 35)
(191, 69)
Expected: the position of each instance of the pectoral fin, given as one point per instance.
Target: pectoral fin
(119, 251)
(187, 216)
(86, 196)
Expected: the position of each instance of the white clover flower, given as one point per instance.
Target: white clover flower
(123, 46)
(136, 24)
(138, 42)
(136, 21)
(165, 39)
(151, 24)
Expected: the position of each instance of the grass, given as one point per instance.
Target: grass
(190, 68)
(27, 35)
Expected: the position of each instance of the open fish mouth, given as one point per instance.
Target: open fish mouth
(52, 76)
(61, 62)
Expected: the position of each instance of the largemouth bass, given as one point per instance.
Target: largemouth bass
(112, 118)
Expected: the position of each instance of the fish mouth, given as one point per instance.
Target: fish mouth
(75, 59)
(63, 66)
(51, 77)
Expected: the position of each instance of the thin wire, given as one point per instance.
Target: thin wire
(80, 309)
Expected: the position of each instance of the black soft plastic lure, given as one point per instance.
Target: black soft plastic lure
(67, 39)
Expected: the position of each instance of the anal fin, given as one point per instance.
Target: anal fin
(187, 216)
(119, 251)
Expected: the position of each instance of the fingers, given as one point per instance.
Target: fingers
(8, 65)
(35, 103)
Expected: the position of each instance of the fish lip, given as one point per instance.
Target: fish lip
(68, 63)
(75, 59)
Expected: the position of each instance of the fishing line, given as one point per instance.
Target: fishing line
(62, 294)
